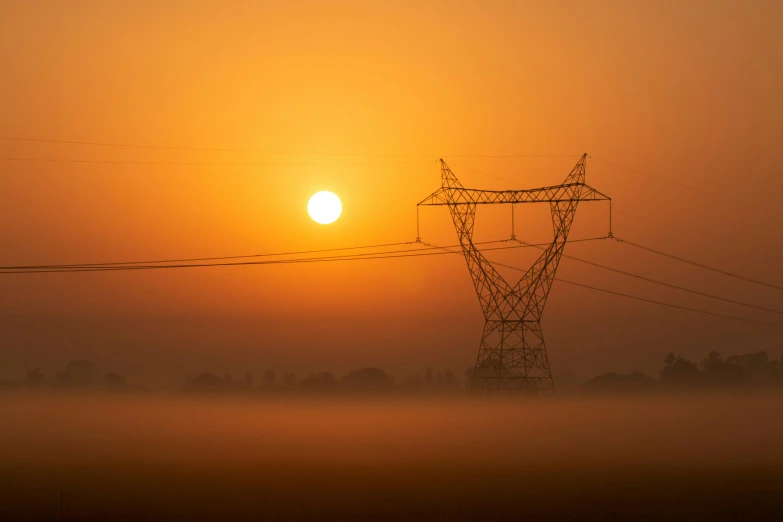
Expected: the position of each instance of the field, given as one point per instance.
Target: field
(223, 459)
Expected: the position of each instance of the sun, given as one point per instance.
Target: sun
(324, 207)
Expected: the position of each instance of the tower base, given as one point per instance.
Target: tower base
(512, 359)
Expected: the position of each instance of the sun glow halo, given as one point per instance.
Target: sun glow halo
(324, 207)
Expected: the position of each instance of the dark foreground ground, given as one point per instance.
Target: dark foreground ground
(664, 458)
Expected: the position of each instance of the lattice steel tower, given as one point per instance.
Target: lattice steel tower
(512, 355)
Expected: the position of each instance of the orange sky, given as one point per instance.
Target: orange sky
(688, 92)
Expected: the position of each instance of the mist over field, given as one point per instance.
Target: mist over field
(226, 458)
(391, 261)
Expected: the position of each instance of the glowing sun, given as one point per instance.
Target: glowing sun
(324, 207)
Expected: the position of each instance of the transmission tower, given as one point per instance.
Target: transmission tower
(512, 356)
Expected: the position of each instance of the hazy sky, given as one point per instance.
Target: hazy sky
(685, 91)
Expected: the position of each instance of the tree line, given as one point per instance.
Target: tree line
(366, 380)
(736, 372)
(755, 370)
(82, 375)
(77, 375)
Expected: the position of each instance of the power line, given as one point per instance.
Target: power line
(226, 163)
(699, 265)
(669, 285)
(363, 257)
(148, 265)
(214, 258)
(699, 230)
(348, 257)
(511, 155)
(262, 151)
(652, 301)
(119, 264)
(178, 147)
(661, 303)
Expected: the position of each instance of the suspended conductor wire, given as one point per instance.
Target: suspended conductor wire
(629, 296)
(130, 264)
(38, 269)
(351, 257)
(215, 258)
(444, 251)
(421, 251)
(670, 305)
(206, 163)
(669, 285)
(279, 152)
(189, 148)
(699, 265)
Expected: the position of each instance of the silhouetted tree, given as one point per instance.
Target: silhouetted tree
(247, 382)
(113, 381)
(615, 382)
(445, 382)
(718, 372)
(63, 380)
(205, 382)
(368, 380)
(469, 376)
(429, 378)
(6, 385)
(450, 381)
(289, 380)
(758, 368)
(413, 383)
(319, 382)
(34, 378)
(82, 372)
(270, 377)
(678, 371)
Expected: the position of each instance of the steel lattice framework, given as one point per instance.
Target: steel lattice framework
(512, 355)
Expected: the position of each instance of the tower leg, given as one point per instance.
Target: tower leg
(512, 355)
(512, 358)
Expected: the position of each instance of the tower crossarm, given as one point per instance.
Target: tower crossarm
(512, 354)
(555, 194)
